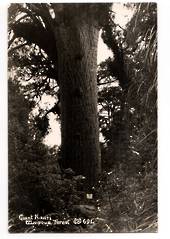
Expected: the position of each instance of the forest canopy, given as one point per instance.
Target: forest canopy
(52, 54)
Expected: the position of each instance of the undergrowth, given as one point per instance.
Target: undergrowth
(122, 203)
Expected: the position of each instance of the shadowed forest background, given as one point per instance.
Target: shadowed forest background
(106, 166)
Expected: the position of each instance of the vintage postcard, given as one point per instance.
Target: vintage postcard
(82, 117)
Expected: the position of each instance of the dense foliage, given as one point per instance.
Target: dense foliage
(36, 183)
(125, 198)
(129, 122)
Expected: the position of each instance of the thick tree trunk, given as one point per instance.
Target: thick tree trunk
(77, 66)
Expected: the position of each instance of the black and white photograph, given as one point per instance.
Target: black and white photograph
(82, 117)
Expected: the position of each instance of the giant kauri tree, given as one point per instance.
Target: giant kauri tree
(68, 35)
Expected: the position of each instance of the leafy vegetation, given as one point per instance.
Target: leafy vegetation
(125, 196)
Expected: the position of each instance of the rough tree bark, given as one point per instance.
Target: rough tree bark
(76, 39)
(70, 40)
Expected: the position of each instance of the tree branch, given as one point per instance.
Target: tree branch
(15, 48)
(104, 83)
(38, 35)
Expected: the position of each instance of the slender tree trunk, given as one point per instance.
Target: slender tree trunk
(77, 66)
